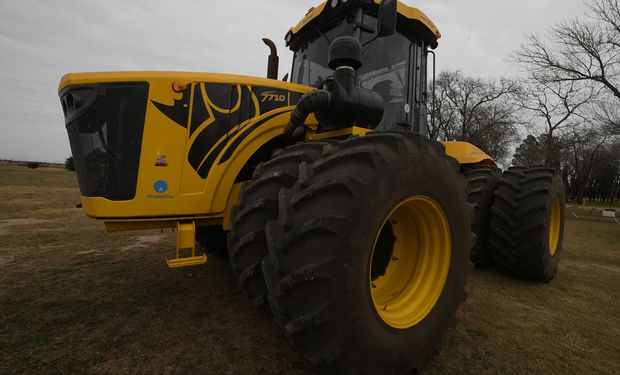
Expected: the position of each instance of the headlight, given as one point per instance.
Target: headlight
(333, 3)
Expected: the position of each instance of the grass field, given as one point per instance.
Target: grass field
(74, 299)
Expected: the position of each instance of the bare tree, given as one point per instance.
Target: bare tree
(444, 114)
(474, 110)
(584, 144)
(585, 49)
(607, 113)
(554, 104)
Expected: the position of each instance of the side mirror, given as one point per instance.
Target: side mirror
(386, 19)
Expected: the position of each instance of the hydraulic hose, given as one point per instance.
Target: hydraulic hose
(317, 100)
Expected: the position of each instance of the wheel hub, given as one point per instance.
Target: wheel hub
(408, 277)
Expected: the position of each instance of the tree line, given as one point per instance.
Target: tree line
(563, 112)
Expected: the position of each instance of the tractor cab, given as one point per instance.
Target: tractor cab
(393, 65)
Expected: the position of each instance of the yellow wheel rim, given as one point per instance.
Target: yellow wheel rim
(554, 225)
(406, 287)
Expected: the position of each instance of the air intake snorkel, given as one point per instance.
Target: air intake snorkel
(340, 103)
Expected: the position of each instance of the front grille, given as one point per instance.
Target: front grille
(105, 124)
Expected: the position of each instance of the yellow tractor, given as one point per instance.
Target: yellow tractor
(323, 190)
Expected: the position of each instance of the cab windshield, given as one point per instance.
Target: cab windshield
(385, 69)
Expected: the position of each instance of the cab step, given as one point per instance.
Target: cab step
(186, 243)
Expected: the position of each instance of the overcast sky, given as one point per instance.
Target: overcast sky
(42, 40)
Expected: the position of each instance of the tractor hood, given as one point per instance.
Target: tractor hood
(167, 144)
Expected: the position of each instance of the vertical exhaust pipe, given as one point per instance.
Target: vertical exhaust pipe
(272, 65)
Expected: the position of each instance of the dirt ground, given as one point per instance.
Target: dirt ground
(75, 299)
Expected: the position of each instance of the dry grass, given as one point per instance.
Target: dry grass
(75, 299)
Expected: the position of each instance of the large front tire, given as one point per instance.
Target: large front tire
(369, 255)
(258, 203)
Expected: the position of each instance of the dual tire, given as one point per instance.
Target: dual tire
(368, 253)
(527, 223)
(518, 220)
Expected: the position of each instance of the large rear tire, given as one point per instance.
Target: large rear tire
(482, 182)
(527, 224)
(369, 255)
(258, 203)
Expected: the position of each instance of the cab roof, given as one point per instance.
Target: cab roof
(409, 18)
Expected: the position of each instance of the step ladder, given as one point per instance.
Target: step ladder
(186, 243)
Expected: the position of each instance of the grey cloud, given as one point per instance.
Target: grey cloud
(42, 40)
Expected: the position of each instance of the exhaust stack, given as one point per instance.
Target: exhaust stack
(274, 60)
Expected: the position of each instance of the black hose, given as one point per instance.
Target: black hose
(317, 100)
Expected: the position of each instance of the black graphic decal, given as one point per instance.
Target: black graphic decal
(179, 111)
(220, 95)
(216, 128)
(294, 97)
(204, 169)
(234, 144)
(247, 110)
(199, 111)
(219, 113)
